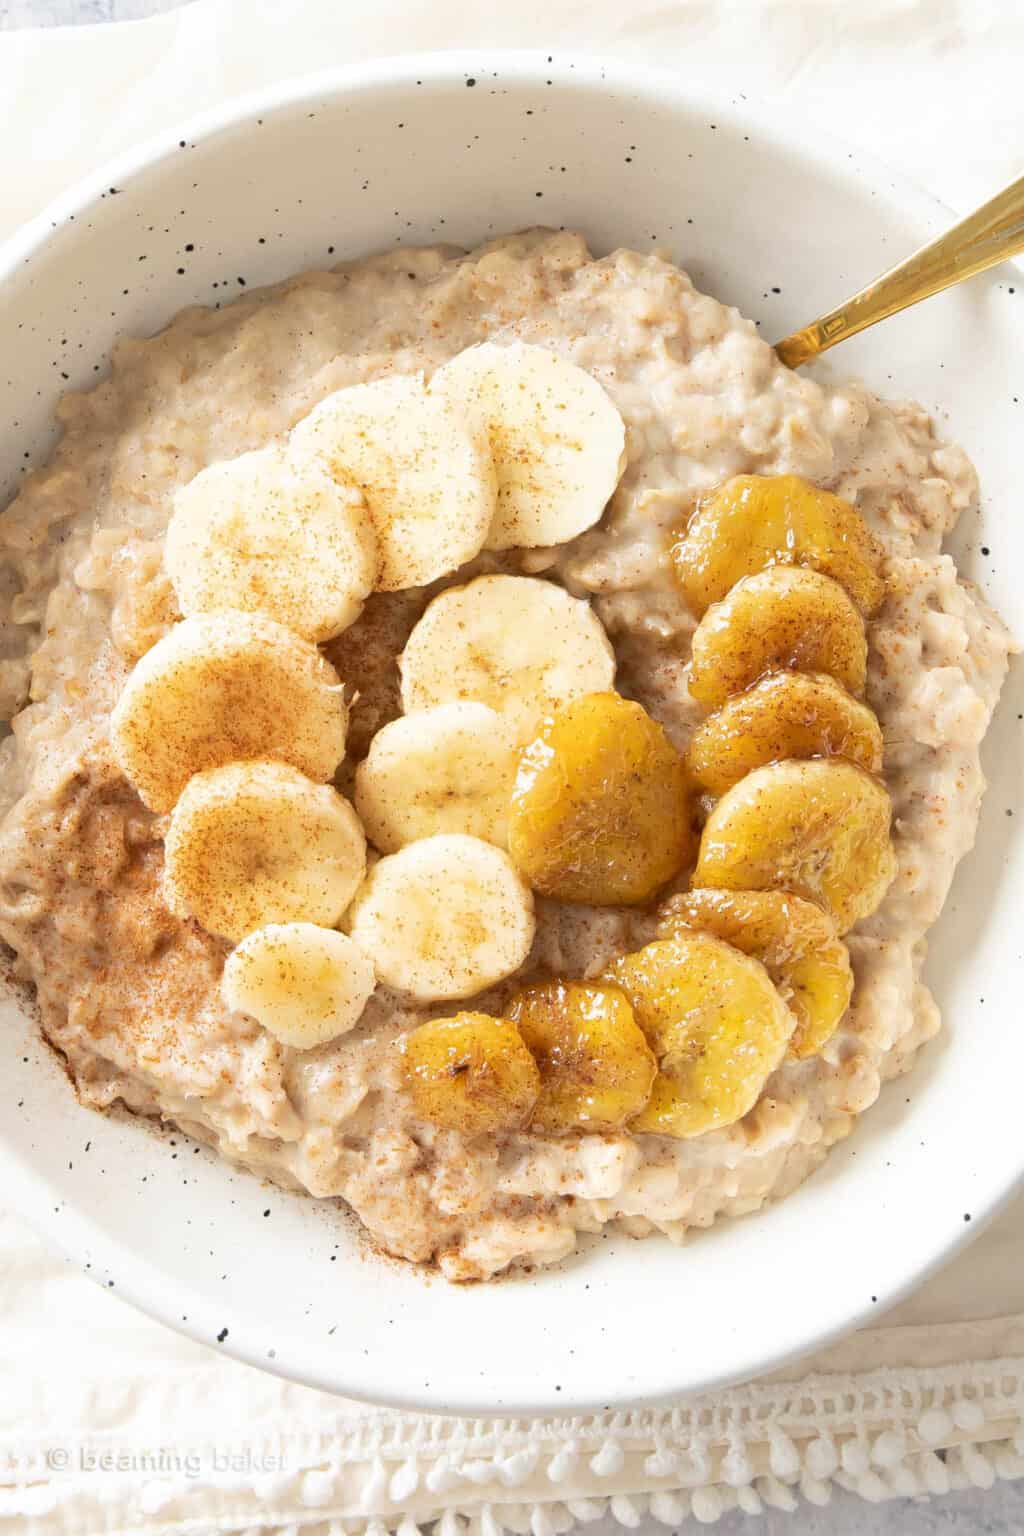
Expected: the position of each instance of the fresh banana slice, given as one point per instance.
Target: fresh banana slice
(819, 829)
(222, 687)
(444, 917)
(423, 465)
(601, 812)
(303, 983)
(522, 646)
(716, 1024)
(269, 533)
(755, 521)
(785, 715)
(596, 1068)
(255, 843)
(794, 940)
(448, 769)
(785, 618)
(558, 442)
(470, 1073)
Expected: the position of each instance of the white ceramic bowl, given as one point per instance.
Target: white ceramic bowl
(783, 224)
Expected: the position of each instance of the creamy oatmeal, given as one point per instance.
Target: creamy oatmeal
(130, 991)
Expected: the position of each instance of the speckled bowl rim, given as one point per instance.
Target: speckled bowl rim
(146, 1285)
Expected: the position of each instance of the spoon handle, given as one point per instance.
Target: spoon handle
(986, 237)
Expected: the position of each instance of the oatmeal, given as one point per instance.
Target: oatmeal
(150, 973)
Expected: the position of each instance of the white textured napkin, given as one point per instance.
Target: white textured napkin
(110, 1423)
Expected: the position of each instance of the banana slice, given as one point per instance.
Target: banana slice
(448, 769)
(423, 465)
(303, 983)
(522, 646)
(818, 829)
(755, 521)
(716, 1024)
(444, 917)
(558, 442)
(794, 940)
(256, 843)
(785, 618)
(601, 811)
(267, 533)
(470, 1073)
(785, 715)
(596, 1068)
(222, 687)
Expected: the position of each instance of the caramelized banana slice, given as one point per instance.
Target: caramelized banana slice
(596, 1068)
(470, 1073)
(717, 1026)
(785, 715)
(600, 811)
(818, 829)
(785, 618)
(794, 940)
(755, 521)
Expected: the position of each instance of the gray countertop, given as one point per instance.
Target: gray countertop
(1000, 1511)
(56, 13)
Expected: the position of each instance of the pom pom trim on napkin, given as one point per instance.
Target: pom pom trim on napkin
(882, 1434)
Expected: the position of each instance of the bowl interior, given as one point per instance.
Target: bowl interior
(453, 149)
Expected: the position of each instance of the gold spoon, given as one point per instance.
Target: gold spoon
(986, 237)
